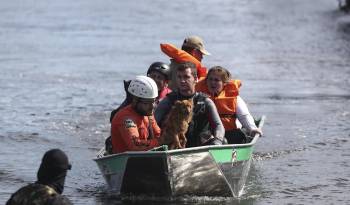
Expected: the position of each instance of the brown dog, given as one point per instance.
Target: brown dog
(176, 124)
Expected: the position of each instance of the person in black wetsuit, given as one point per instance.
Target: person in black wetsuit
(206, 127)
(50, 184)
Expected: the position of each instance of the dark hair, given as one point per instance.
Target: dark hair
(223, 72)
(188, 49)
(185, 65)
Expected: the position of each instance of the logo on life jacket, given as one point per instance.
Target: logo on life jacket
(128, 123)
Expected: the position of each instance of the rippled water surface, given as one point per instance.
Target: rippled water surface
(62, 64)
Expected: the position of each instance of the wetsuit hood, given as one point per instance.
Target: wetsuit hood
(53, 169)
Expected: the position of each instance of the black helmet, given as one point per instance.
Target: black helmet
(161, 67)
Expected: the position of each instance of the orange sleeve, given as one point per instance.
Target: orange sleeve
(181, 56)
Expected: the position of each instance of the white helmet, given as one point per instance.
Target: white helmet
(143, 87)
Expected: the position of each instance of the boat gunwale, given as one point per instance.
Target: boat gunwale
(191, 149)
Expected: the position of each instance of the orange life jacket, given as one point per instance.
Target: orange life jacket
(131, 132)
(226, 101)
(181, 56)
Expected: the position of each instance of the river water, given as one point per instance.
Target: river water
(62, 64)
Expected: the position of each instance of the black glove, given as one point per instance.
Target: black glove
(215, 141)
(212, 141)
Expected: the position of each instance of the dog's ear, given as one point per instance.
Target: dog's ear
(187, 103)
(177, 103)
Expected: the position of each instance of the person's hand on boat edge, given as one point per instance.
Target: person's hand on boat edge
(255, 131)
(208, 139)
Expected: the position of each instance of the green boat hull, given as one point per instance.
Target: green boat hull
(200, 171)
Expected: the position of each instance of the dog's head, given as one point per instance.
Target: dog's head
(184, 107)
